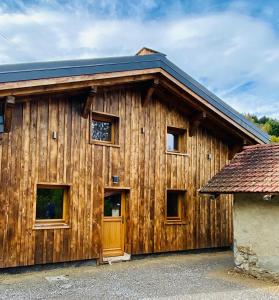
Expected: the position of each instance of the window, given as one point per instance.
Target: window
(104, 128)
(1, 117)
(175, 205)
(51, 205)
(172, 140)
(112, 204)
(176, 139)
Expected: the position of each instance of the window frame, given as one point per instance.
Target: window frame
(38, 223)
(181, 194)
(115, 124)
(181, 134)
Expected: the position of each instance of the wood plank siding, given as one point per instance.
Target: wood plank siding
(29, 155)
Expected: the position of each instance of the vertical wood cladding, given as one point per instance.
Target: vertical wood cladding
(29, 155)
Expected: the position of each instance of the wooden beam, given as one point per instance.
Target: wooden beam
(8, 112)
(196, 121)
(150, 91)
(226, 132)
(63, 83)
(88, 102)
(198, 101)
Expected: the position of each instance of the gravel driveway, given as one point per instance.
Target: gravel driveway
(173, 276)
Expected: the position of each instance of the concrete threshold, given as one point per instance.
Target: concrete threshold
(116, 259)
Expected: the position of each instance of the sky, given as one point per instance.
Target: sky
(231, 47)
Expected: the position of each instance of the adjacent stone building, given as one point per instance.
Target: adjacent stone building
(253, 178)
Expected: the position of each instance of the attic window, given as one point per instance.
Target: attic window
(104, 128)
(173, 141)
(176, 139)
(1, 117)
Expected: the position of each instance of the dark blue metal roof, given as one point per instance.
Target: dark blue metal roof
(44, 70)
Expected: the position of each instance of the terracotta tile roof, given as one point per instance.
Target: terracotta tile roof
(255, 169)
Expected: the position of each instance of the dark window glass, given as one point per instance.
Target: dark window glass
(102, 131)
(172, 205)
(172, 141)
(112, 204)
(1, 118)
(50, 203)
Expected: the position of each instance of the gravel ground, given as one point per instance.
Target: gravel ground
(175, 276)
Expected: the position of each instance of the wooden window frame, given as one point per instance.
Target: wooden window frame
(181, 207)
(182, 139)
(115, 124)
(53, 223)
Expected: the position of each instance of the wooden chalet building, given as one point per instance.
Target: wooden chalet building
(104, 156)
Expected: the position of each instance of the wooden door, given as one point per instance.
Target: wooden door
(113, 223)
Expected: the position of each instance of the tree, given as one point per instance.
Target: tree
(274, 127)
(269, 125)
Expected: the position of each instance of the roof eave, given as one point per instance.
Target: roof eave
(123, 64)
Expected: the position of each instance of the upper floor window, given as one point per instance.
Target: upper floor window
(104, 128)
(172, 140)
(176, 139)
(1, 117)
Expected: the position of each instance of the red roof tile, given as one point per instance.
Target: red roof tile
(255, 169)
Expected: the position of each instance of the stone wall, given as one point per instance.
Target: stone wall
(256, 234)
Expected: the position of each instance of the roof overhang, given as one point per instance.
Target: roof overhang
(26, 79)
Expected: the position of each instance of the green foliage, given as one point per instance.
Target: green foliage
(269, 125)
(274, 139)
(274, 127)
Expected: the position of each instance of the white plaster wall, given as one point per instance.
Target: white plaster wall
(256, 232)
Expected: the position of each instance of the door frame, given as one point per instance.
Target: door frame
(124, 197)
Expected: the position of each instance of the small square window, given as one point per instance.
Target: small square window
(51, 205)
(101, 130)
(174, 205)
(176, 139)
(104, 128)
(1, 117)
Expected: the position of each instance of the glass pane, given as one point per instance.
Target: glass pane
(112, 204)
(101, 131)
(172, 142)
(172, 205)
(1, 128)
(49, 203)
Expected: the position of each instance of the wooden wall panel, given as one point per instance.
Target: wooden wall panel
(29, 155)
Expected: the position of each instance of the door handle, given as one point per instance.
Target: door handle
(122, 219)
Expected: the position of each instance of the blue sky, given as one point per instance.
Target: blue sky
(232, 47)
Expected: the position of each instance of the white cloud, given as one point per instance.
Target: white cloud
(225, 50)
